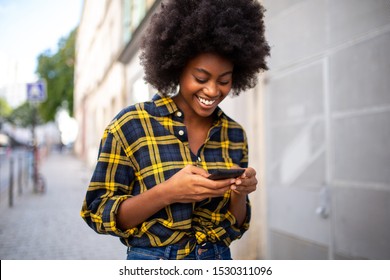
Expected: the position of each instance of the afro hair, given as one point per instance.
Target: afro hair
(182, 29)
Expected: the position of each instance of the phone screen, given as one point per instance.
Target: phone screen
(221, 174)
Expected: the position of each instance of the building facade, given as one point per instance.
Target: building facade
(317, 122)
(328, 129)
(103, 83)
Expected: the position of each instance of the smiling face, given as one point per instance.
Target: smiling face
(205, 81)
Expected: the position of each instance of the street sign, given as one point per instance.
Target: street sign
(36, 92)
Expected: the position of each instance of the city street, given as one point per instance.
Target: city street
(48, 226)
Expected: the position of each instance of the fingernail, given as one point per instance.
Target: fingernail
(233, 187)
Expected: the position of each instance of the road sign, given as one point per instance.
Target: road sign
(36, 92)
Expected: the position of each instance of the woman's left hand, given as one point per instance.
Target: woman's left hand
(246, 183)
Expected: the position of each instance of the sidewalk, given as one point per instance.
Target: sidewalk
(48, 226)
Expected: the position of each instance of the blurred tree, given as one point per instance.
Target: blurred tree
(5, 111)
(5, 108)
(24, 115)
(58, 70)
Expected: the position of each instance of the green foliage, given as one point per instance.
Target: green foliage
(25, 115)
(58, 72)
(5, 109)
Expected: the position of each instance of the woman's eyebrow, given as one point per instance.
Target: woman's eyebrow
(209, 74)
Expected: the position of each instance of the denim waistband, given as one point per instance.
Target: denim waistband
(204, 251)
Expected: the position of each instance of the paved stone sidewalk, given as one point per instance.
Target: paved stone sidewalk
(48, 226)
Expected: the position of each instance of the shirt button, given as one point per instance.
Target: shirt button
(199, 159)
(181, 132)
(179, 114)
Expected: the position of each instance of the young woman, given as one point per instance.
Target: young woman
(151, 186)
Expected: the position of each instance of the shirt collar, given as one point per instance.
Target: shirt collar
(164, 105)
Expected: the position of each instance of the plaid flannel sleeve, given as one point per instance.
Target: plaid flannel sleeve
(237, 232)
(111, 183)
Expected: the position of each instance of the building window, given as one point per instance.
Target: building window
(138, 12)
(126, 21)
(133, 13)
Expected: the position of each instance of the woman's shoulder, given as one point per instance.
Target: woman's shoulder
(229, 122)
(135, 111)
(130, 116)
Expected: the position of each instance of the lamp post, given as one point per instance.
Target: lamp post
(34, 146)
(36, 93)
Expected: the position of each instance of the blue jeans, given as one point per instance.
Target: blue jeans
(205, 251)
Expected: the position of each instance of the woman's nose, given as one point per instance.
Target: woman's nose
(211, 89)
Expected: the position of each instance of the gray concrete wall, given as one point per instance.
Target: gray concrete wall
(328, 129)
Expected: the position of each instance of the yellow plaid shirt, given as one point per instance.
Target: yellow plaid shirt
(145, 145)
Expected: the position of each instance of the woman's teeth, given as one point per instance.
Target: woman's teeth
(205, 101)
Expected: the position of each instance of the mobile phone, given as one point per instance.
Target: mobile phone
(221, 174)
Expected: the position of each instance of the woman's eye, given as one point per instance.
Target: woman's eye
(201, 81)
(224, 83)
